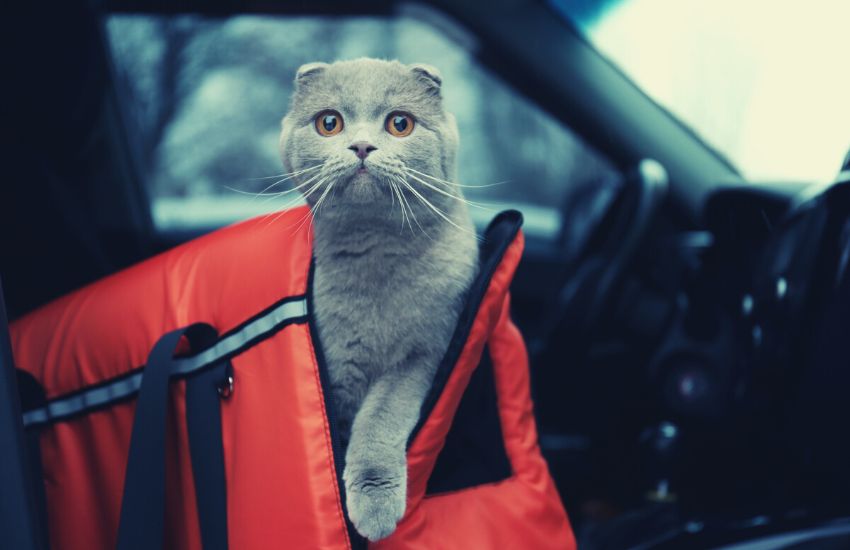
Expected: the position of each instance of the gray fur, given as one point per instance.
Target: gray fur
(387, 292)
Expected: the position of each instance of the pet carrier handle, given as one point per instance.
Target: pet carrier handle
(141, 525)
(203, 419)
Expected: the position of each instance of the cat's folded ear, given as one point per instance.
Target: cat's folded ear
(428, 75)
(309, 71)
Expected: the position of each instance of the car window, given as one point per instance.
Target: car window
(764, 82)
(204, 98)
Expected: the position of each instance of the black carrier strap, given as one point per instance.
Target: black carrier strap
(142, 520)
(203, 417)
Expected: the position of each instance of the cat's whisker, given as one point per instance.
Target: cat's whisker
(286, 177)
(439, 212)
(412, 213)
(277, 214)
(296, 172)
(393, 196)
(311, 178)
(456, 197)
(300, 222)
(266, 177)
(333, 194)
(253, 194)
(312, 190)
(322, 197)
(315, 209)
(303, 196)
(312, 212)
(291, 203)
(438, 180)
(406, 211)
(405, 207)
(398, 193)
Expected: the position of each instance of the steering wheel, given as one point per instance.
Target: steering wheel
(586, 290)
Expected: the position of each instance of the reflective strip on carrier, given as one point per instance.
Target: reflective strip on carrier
(286, 312)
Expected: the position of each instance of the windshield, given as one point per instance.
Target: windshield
(766, 83)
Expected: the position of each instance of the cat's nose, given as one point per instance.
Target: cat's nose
(362, 149)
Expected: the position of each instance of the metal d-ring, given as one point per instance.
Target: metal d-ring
(225, 389)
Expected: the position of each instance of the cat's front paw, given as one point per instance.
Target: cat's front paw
(376, 499)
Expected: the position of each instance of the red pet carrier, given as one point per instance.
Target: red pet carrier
(184, 404)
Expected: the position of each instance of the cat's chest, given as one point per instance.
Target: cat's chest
(370, 282)
(380, 296)
(365, 318)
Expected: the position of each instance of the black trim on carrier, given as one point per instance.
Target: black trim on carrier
(358, 542)
(474, 452)
(290, 310)
(497, 238)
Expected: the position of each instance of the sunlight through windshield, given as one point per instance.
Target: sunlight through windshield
(767, 83)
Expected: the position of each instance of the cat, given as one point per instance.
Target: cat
(373, 152)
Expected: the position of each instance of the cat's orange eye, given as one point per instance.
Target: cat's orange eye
(329, 123)
(400, 124)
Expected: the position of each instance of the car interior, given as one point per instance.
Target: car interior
(686, 325)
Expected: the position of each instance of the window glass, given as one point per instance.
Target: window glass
(207, 95)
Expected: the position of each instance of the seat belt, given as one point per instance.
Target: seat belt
(20, 525)
(141, 524)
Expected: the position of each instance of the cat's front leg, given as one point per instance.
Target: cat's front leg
(375, 472)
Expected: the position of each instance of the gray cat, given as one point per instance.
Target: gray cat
(395, 251)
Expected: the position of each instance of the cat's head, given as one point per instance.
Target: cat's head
(359, 132)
